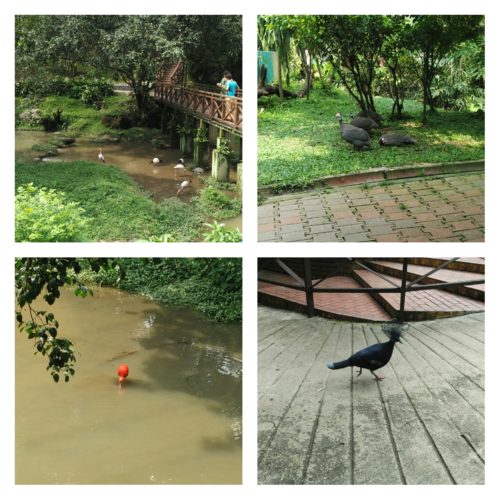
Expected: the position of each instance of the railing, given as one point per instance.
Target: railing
(309, 287)
(211, 106)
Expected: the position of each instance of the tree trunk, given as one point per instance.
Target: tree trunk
(280, 78)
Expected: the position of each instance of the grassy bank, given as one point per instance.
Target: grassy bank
(211, 286)
(118, 209)
(299, 140)
(81, 120)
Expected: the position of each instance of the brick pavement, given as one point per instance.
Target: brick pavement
(439, 209)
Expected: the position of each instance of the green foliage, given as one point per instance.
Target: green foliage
(216, 204)
(45, 149)
(45, 215)
(209, 285)
(88, 90)
(201, 135)
(397, 55)
(301, 142)
(219, 233)
(460, 84)
(35, 276)
(78, 118)
(116, 208)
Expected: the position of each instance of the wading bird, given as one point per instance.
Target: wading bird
(179, 167)
(185, 184)
(100, 156)
(122, 373)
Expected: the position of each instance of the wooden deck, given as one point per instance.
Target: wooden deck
(423, 424)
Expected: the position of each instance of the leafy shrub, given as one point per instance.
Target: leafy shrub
(217, 204)
(44, 215)
(209, 285)
(219, 233)
(88, 90)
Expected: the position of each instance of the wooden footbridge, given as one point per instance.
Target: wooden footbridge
(204, 102)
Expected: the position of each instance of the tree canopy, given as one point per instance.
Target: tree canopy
(371, 53)
(133, 49)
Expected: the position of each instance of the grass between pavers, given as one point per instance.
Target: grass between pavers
(299, 140)
(118, 208)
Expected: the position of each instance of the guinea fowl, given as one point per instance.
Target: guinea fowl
(394, 139)
(371, 114)
(375, 356)
(363, 122)
(358, 137)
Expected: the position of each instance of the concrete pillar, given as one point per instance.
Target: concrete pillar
(239, 176)
(186, 144)
(220, 167)
(200, 149)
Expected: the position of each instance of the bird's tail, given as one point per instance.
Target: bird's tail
(395, 330)
(339, 364)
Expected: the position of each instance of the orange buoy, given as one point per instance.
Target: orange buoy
(122, 373)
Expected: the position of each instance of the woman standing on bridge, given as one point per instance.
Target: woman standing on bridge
(231, 89)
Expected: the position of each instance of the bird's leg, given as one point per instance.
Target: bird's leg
(359, 373)
(377, 377)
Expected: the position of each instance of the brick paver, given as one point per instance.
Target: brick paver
(445, 208)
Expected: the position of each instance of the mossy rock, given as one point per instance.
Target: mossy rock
(161, 143)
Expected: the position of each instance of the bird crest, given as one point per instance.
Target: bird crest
(395, 330)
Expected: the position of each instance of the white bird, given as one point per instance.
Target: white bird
(155, 161)
(198, 170)
(100, 156)
(185, 184)
(179, 167)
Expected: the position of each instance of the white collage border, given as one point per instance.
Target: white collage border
(249, 250)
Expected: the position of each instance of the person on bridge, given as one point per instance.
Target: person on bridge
(231, 86)
(231, 89)
(223, 82)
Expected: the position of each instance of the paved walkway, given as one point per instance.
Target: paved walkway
(423, 424)
(448, 208)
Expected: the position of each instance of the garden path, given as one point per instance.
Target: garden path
(444, 208)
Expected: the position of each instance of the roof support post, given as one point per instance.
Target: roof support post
(308, 287)
(403, 291)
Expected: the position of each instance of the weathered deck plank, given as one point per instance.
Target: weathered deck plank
(423, 424)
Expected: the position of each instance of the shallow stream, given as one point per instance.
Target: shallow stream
(176, 419)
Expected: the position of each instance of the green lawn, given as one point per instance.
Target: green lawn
(299, 140)
(117, 207)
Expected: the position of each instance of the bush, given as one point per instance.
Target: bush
(44, 215)
(217, 204)
(88, 90)
(219, 233)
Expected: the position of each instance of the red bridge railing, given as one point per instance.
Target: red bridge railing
(216, 108)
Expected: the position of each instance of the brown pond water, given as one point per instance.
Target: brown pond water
(133, 159)
(177, 418)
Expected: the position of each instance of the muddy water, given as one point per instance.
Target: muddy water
(177, 418)
(134, 159)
